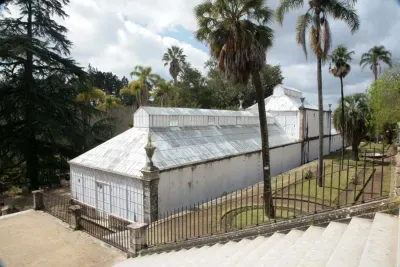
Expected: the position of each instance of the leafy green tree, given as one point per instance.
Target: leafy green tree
(356, 115)
(373, 59)
(385, 102)
(316, 18)
(148, 79)
(37, 101)
(176, 59)
(340, 59)
(194, 92)
(238, 35)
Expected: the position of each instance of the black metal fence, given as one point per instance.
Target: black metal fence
(101, 225)
(57, 206)
(294, 194)
(105, 227)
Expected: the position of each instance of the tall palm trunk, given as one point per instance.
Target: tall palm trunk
(268, 203)
(31, 157)
(375, 70)
(342, 115)
(175, 80)
(321, 124)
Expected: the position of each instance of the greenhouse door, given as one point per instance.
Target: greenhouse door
(103, 197)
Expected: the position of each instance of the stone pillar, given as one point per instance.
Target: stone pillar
(150, 186)
(302, 115)
(329, 126)
(395, 179)
(38, 203)
(75, 211)
(137, 238)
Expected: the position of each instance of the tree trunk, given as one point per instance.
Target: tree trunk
(268, 202)
(342, 115)
(31, 156)
(175, 80)
(375, 70)
(354, 148)
(321, 124)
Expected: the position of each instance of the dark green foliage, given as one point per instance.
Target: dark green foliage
(107, 81)
(40, 120)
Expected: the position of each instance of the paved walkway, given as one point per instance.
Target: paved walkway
(33, 238)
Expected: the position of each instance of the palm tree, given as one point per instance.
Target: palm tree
(238, 35)
(316, 18)
(355, 124)
(373, 58)
(148, 79)
(340, 58)
(133, 94)
(176, 59)
(165, 93)
(110, 102)
(90, 96)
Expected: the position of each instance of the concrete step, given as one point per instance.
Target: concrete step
(322, 249)
(277, 251)
(223, 251)
(380, 249)
(259, 251)
(243, 251)
(229, 252)
(350, 247)
(299, 249)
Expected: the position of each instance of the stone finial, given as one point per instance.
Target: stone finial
(149, 148)
(240, 96)
(330, 105)
(302, 102)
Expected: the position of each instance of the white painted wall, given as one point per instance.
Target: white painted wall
(285, 158)
(115, 194)
(188, 185)
(312, 122)
(184, 186)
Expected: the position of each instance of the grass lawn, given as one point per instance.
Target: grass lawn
(293, 195)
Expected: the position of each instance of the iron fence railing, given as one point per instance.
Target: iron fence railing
(57, 206)
(294, 194)
(106, 227)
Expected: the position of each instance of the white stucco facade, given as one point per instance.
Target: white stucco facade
(201, 154)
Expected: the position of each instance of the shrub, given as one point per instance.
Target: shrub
(308, 175)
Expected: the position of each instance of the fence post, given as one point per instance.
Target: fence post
(38, 200)
(150, 186)
(137, 238)
(75, 211)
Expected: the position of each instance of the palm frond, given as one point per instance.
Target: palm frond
(286, 6)
(343, 11)
(303, 22)
(327, 40)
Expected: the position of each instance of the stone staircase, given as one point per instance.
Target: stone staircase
(362, 242)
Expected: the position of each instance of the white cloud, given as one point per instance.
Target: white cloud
(104, 36)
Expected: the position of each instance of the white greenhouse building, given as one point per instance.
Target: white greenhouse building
(199, 153)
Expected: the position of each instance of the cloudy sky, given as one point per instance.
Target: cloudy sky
(120, 34)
